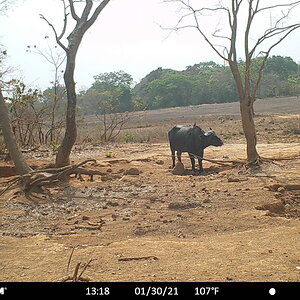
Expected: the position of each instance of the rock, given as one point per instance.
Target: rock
(109, 177)
(182, 205)
(281, 189)
(132, 171)
(114, 216)
(276, 208)
(179, 169)
(181, 234)
(112, 203)
(233, 178)
(160, 162)
(142, 230)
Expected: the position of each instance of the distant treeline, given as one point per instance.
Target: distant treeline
(206, 82)
(38, 117)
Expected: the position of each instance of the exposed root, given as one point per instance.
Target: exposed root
(38, 179)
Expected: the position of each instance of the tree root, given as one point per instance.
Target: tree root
(38, 179)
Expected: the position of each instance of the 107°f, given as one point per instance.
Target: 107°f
(205, 291)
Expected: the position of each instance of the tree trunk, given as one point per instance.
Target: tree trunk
(63, 155)
(83, 23)
(9, 138)
(246, 108)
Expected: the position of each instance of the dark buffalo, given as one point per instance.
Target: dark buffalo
(191, 139)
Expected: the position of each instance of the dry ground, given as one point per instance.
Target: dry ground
(228, 225)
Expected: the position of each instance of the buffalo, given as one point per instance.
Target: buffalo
(191, 139)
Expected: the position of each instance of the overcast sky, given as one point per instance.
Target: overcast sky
(126, 36)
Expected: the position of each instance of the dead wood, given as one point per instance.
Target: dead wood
(30, 150)
(151, 257)
(75, 277)
(70, 258)
(81, 171)
(86, 227)
(41, 178)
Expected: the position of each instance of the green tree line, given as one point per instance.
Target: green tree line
(205, 82)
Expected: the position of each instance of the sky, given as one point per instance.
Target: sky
(127, 36)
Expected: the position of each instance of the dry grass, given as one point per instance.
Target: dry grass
(293, 126)
(273, 128)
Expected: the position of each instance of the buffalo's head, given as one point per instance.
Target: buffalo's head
(212, 138)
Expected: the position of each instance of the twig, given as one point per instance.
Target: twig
(91, 227)
(75, 278)
(70, 258)
(13, 182)
(90, 260)
(151, 257)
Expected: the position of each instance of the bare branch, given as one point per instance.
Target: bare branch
(96, 13)
(203, 34)
(65, 22)
(4, 6)
(271, 33)
(267, 53)
(72, 9)
(55, 33)
(86, 11)
(295, 3)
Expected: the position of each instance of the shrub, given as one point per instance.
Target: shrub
(128, 137)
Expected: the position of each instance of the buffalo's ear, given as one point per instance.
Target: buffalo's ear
(210, 128)
(194, 125)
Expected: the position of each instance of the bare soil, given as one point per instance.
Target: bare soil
(231, 224)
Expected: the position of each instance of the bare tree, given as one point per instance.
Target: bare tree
(239, 17)
(5, 5)
(112, 124)
(9, 138)
(83, 23)
(5, 122)
(56, 59)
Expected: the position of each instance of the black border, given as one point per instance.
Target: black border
(150, 290)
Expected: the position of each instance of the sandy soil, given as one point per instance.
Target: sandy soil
(227, 225)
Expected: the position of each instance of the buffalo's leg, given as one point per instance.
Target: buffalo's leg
(200, 161)
(192, 158)
(179, 155)
(173, 158)
(200, 166)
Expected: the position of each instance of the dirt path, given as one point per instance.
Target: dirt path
(228, 225)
